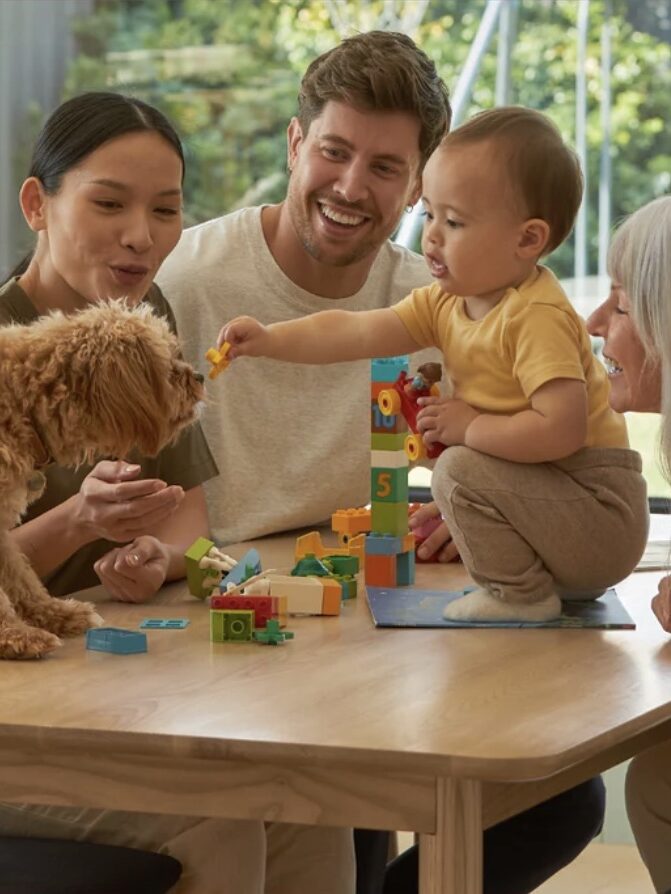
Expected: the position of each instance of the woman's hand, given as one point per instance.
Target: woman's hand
(444, 420)
(426, 522)
(112, 505)
(661, 603)
(136, 571)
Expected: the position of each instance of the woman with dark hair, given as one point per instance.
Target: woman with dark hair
(104, 197)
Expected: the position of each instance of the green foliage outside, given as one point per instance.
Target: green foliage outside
(227, 74)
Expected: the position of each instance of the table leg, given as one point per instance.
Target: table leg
(450, 862)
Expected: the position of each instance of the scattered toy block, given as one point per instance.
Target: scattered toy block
(199, 580)
(164, 623)
(248, 565)
(218, 358)
(116, 640)
(272, 635)
(227, 626)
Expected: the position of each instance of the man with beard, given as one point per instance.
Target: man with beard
(292, 443)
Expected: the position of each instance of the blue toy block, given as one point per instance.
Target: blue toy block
(387, 369)
(383, 545)
(251, 559)
(116, 640)
(164, 623)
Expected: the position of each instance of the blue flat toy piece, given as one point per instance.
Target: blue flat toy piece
(164, 623)
(251, 559)
(116, 640)
(410, 607)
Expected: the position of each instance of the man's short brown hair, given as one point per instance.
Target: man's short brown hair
(541, 168)
(379, 71)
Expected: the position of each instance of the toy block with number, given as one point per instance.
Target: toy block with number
(385, 425)
(389, 486)
(228, 626)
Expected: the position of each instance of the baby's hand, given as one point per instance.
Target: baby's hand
(247, 338)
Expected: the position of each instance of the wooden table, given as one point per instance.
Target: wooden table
(442, 732)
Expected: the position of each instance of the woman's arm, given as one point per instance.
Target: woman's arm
(136, 571)
(111, 504)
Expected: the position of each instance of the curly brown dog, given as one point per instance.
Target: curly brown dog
(95, 383)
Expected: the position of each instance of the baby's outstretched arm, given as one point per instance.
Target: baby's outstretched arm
(330, 336)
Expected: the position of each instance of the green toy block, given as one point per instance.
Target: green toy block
(344, 564)
(387, 442)
(231, 626)
(194, 574)
(272, 635)
(389, 485)
(390, 518)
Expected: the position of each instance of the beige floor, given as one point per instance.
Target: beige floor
(600, 869)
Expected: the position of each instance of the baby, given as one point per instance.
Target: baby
(542, 496)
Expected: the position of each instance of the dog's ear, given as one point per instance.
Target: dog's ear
(127, 393)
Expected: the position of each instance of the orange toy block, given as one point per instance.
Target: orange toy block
(218, 359)
(332, 596)
(381, 571)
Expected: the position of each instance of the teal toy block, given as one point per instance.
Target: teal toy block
(405, 569)
(349, 587)
(383, 545)
(164, 623)
(272, 635)
(116, 640)
(228, 626)
(387, 441)
(344, 564)
(389, 486)
(194, 574)
(390, 518)
(387, 369)
(310, 566)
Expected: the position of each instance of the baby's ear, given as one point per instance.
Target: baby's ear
(534, 236)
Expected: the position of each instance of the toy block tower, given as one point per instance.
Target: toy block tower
(390, 547)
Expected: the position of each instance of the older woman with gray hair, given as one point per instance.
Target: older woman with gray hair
(635, 323)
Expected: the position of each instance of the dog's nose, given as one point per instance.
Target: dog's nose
(199, 377)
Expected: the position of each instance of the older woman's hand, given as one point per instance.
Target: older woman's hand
(112, 505)
(136, 571)
(661, 603)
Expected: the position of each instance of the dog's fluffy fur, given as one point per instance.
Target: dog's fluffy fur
(95, 383)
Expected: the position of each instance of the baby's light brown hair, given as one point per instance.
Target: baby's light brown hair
(542, 170)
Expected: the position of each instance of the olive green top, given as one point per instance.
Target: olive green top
(188, 462)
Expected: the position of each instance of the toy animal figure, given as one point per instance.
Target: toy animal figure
(95, 383)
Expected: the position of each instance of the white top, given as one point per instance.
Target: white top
(292, 441)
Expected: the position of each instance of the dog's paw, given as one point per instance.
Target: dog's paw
(70, 617)
(26, 642)
(480, 605)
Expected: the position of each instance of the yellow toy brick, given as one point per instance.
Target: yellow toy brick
(218, 359)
